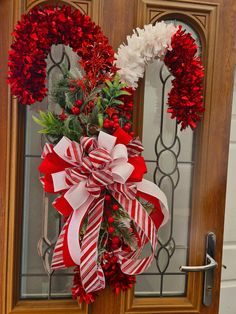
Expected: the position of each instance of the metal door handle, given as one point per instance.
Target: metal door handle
(208, 269)
(212, 264)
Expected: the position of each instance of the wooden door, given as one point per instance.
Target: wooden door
(214, 24)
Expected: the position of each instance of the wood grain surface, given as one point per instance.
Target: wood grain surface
(215, 21)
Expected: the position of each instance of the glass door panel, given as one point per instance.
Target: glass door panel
(169, 156)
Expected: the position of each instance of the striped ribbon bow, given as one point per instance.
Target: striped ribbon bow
(81, 172)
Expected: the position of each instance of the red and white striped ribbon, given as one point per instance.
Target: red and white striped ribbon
(58, 260)
(91, 274)
(74, 152)
(47, 149)
(88, 143)
(128, 190)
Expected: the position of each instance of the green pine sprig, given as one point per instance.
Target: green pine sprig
(50, 123)
(66, 91)
(56, 129)
(123, 232)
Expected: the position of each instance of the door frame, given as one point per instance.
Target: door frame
(211, 156)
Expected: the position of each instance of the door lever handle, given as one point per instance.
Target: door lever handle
(208, 269)
(212, 264)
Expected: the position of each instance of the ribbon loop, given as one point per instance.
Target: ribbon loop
(88, 143)
(99, 157)
(135, 147)
(74, 152)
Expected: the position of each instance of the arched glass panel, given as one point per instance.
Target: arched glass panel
(169, 156)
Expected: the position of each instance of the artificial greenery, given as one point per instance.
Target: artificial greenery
(65, 91)
(89, 119)
(50, 123)
(122, 228)
(56, 128)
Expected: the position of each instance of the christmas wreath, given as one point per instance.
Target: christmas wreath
(93, 161)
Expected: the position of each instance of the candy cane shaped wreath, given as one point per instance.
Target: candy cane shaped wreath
(37, 32)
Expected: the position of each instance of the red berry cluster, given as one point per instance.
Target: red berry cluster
(63, 116)
(112, 122)
(114, 277)
(110, 207)
(114, 242)
(121, 118)
(77, 107)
